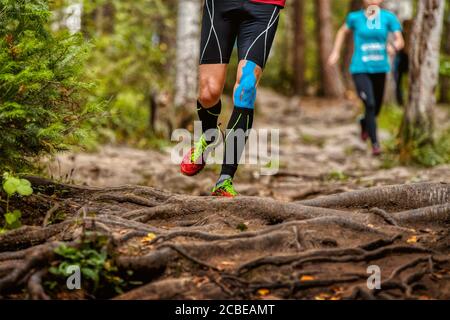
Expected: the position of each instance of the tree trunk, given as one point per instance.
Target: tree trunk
(68, 15)
(417, 127)
(349, 48)
(104, 18)
(187, 56)
(331, 78)
(299, 46)
(403, 9)
(445, 79)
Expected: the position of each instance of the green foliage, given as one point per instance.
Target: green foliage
(14, 186)
(390, 118)
(422, 154)
(98, 272)
(313, 140)
(336, 175)
(12, 221)
(41, 108)
(242, 227)
(133, 51)
(445, 65)
(437, 153)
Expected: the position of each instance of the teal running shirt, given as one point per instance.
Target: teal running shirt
(370, 38)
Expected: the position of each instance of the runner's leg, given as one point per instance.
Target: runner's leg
(218, 37)
(209, 106)
(219, 33)
(378, 83)
(256, 35)
(364, 87)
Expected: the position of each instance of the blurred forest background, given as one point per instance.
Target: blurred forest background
(121, 57)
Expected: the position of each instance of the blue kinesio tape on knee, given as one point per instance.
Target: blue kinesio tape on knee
(245, 94)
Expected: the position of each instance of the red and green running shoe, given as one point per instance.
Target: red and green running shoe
(194, 161)
(225, 189)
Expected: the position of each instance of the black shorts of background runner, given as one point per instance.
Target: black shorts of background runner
(253, 25)
(370, 88)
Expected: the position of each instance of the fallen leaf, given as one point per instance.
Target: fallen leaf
(307, 278)
(149, 238)
(323, 296)
(327, 296)
(263, 292)
(271, 297)
(412, 239)
(371, 225)
(222, 265)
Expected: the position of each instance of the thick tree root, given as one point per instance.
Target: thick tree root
(35, 288)
(410, 196)
(209, 248)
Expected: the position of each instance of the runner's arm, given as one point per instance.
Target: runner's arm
(399, 41)
(338, 43)
(396, 45)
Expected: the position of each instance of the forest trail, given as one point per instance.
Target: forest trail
(273, 245)
(320, 153)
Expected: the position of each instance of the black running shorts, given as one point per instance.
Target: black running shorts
(252, 24)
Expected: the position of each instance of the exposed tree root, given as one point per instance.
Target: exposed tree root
(439, 214)
(36, 259)
(209, 248)
(410, 196)
(35, 287)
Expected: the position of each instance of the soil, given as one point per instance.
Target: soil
(327, 226)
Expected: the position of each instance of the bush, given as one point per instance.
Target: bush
(130, 60)
(426, 155)
(41, 104)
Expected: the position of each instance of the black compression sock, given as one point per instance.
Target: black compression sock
(241, 122)
(209, 117)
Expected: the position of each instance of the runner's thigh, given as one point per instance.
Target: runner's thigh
(257, 32)
(219, 31)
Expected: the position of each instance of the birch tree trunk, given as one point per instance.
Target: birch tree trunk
(417, 127)
(331, 78)
(187, 56)
(68, 16)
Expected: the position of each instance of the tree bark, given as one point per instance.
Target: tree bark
(187, 55)
(103, 16)
(417, 127)
(403, 9)
(349, 48)
(445, 79)
(331, 78)
(299, 46)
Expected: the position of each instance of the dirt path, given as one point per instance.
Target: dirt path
(320, 153)
(140, 242)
